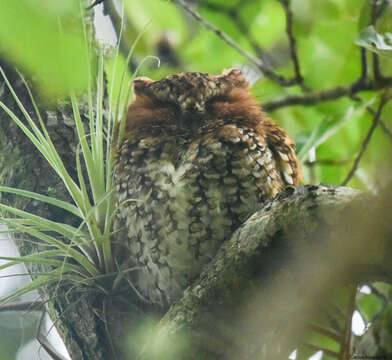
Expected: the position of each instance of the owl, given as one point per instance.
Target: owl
(198, 157)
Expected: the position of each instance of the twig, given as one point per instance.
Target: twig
(330, 94)
(254, 60)
(292, 41)
(378, 7)
(233, 13)
(365, 142)
(385, 128)
(379, 294)
(384, 299)
(364, 66)
(314, 97)
(376, 68)
(377, 10)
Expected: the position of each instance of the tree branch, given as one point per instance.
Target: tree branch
(251, 58)
(275, 270)
(377, 10)
(365, 142)
(364, 65)
(386, 130)
(327, 95)
(233, 12)
(292, 40)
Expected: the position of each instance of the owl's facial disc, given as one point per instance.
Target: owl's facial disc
(190, 91)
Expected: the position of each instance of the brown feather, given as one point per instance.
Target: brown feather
(199, 156)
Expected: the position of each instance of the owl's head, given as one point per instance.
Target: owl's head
(190, 91)
(189, 102)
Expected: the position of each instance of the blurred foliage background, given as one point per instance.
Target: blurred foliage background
(46, 40)
(326, 32)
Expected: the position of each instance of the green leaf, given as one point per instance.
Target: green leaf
(373, 41)
(44, 279)
(46, 40)
(326, 129)
(66, 230)
(369, 305)
(47, 257)
(46, 199)
(43, 143)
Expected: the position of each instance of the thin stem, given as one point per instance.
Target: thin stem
(364, 65)
(234, 14)
(376, 68)
(365, 142)
(377, 10)
(254, 60)
(329, 94)
(386, 130)
(383, 126)
(292, 40)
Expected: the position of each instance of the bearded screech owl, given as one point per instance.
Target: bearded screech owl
(198, 157)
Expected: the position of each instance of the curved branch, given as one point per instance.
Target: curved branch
(292, 40)
(330, 94)
(266, 70)
(365, 143)
(274, 271)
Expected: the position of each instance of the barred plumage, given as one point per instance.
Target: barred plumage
(198, 157)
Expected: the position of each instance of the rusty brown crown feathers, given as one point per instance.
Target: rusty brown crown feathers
(198, 157)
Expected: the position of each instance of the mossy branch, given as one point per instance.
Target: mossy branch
(274, 272)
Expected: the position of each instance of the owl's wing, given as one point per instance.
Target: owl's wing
(240, 163)
(283, 149)
(272, 151)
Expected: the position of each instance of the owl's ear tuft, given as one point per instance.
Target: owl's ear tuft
(235, 77)
(140, 84)
(231, 72)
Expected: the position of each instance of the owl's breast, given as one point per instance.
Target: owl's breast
(180, 199)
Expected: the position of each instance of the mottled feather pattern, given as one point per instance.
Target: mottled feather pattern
(199, 157)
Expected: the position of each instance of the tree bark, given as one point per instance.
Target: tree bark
(275, 271)
(272, 272)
